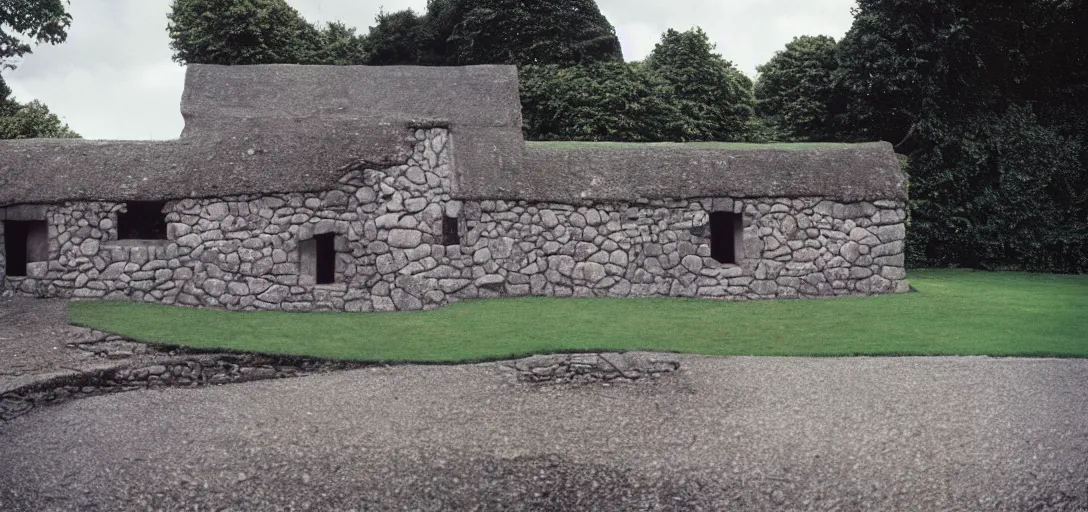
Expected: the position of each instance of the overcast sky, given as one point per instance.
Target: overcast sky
(113, 78)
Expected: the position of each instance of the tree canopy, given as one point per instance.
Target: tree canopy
(27, 22)
(712, 95)
(24, 23)
(521, 32)
(30, 121)
(795, 88)
(235, 32)
(987, 98)
(608, 101)
(683, 92)
(400, 38)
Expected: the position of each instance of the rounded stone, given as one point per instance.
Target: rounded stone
(218, 211)
(215, 287)
(366, 195)
(548, 218)
(405, 238)
(850, 251)
(416, 175)
(482, 256)
(692, 262)
(89, 247)
(593, 272)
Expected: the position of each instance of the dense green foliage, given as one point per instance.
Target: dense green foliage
(341, 46)
(30, 121)
(23, 23)
(465, 32)
(988, 99)
(613, 101)
(234, 32)
(795, 88)
(956, 313)
(683, 92)
(714, 98)
(399, 38)
(27, 22)
(999, 191)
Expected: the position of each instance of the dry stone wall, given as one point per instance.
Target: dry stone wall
(244, 252)
(3, 258)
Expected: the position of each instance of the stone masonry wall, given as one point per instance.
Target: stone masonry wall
(3, 258)
(242, 252)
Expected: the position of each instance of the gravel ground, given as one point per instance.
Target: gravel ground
(723, 433)
(33, 338)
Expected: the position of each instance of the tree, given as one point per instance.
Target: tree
(30, 121)
(987, 98)
(526, 32)
(520, 32)
(714, 96)
(341, 46)
(885, 62)
(23, 22)
(242, 32)
(795, 88)
(608, 101)
(999, 191)
(399, 38)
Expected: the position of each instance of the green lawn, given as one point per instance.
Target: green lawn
(956, 312)
(732, 146)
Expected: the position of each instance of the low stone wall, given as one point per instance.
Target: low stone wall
(3, 261)
(193, 370)
(141, 366)
(245, 252)
(589, 368)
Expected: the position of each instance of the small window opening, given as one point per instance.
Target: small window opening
(144, 220)
(317, 258)
(25, 242)
(726, 234)
(451, 235)
(326, 258)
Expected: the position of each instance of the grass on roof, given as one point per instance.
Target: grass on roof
(732, 146)
(956, 312)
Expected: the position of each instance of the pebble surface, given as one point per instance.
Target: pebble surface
(720, 433)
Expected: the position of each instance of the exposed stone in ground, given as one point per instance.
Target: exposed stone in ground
(174, 368)
(585, 368)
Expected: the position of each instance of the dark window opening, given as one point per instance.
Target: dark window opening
(317, 258)
(450, 233)
(326, 258)
(143, 221)
(726, 233)
(25, 242)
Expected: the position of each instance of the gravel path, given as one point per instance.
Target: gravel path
(723, 433)
(34, 334)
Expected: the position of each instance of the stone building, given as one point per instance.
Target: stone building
(403, 188)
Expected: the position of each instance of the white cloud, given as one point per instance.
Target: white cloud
(114, 78)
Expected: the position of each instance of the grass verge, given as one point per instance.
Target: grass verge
(956, 312)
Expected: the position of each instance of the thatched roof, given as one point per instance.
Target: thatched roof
(286, 128)
(565, 172)
(278, 128)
